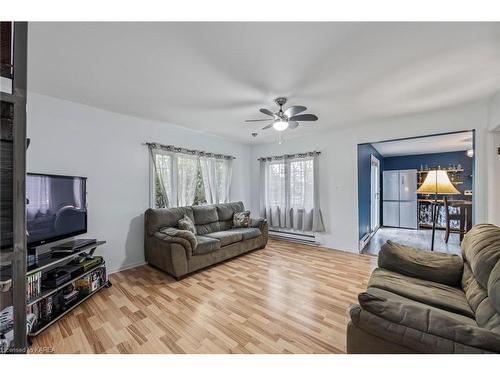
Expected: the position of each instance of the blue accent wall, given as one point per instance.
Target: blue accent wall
(365, 151)
(364, 185)
(444, 160)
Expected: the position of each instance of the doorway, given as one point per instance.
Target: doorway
(390, 207)
(375, 195)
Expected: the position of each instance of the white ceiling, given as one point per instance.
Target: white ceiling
(426, 145)
(213, 76)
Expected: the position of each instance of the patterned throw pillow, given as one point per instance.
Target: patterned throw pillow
(241, 219)
(186, 224)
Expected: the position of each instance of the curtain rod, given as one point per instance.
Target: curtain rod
(182, 150)
(287, 156)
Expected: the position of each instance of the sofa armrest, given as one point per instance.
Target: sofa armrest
(262, 224)
(184, 238)
(439, 267)
(168, 256)
(416, 323)
(257, 222)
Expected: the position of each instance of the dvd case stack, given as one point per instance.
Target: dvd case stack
(34, 310)
(33, 285)
(92, 281)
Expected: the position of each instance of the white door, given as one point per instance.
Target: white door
(408, 214)
(390, 215)
(408, 185)
(391, 186)
(375, 194)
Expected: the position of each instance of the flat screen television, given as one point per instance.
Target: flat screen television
(56, 207)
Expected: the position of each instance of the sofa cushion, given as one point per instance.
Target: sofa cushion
(433, 266)
(247, 233)
(225, 225)
(205, 214)
(155, 219)
(494, 287)
(438, 295)
(183, 237)
(474, 292)
(241, 219)
(423, 324)
(225, 211)
(481, 249)
(226, 237)
(206, 245)
(206, 219)
(186, 224)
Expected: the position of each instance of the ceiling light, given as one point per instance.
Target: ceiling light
(280, 125)
(470, 153)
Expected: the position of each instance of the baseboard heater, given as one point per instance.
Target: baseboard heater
(291, 236)
(363, 241)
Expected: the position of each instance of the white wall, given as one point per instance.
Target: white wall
(494, 160)
(338, 185)
(70, 138)
(494, 214)
(73, 139)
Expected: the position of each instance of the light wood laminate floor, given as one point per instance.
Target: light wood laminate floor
(287, 298)
(419, 238)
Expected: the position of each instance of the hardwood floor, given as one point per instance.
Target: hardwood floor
(419, 238)
(287, 298)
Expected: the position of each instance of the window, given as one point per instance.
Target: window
(276, 184)
(301, 184)
(199, 196)
(185, 179)
(164, 168)
(288, 192)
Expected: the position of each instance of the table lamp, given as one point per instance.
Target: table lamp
(437, 182)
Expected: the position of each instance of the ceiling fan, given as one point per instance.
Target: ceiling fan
(289, 118)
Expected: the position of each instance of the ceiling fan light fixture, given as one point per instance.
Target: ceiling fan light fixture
(280, 125)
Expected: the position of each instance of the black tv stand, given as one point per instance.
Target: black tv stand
(74, 244)
(48, 261)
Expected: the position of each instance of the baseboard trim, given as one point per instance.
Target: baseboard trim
(127, 266)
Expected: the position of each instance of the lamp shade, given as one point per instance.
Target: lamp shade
(280, 125)
(437, 182)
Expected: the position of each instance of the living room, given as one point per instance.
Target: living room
(219, 184)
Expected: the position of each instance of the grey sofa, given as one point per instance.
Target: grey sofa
(423, 302)
(177, 253)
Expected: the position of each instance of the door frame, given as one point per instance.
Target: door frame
(374, 193)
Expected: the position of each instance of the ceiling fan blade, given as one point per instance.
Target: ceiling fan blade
(305, 117)
(265, 119)
(292, 111)
(266, 112)
(293, 124)
(268, 126)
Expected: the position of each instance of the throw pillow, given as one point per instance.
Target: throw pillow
(241, 219)
(186, 224)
